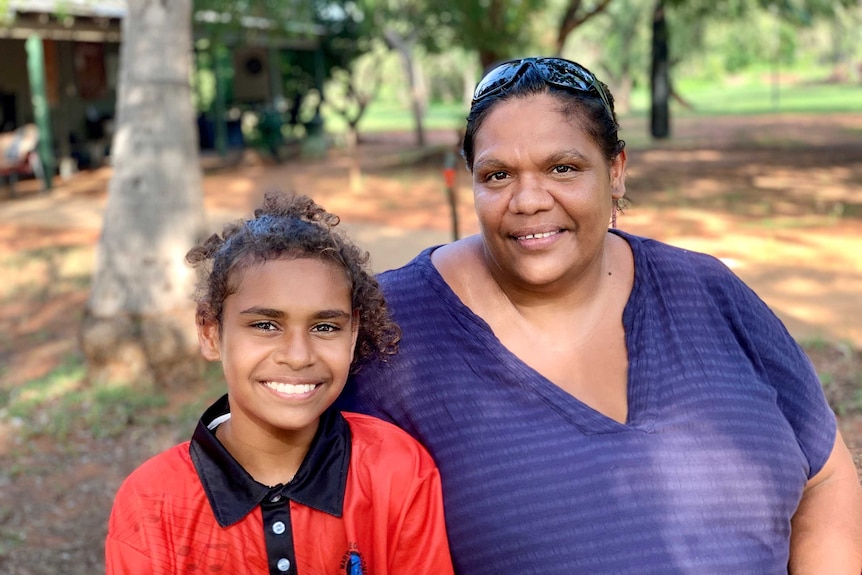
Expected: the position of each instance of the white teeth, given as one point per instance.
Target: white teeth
(288, 388)
(535, 236)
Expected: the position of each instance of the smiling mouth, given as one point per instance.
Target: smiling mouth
(538, 236)
(289, 388)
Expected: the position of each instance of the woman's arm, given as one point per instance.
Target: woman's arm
(826, 534)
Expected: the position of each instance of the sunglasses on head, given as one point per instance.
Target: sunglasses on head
(554, 71)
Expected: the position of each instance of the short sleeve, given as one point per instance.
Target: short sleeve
(785, 366)
(422, 545)
(124, 546)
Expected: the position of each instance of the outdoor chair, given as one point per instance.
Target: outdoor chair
(19, 155)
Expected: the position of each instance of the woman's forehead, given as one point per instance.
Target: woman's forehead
(524, 116)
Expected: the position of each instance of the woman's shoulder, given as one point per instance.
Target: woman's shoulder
(688, 276)
(437, 271)
(671, 261)
(410, 272)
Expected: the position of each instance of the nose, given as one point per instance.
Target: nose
(530, 196)
(294, 349)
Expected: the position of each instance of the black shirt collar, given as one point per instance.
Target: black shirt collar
(233, 493)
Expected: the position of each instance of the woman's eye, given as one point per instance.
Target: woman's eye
(496, 176)
(563, 169)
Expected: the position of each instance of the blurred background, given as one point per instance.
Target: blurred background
(129, 129)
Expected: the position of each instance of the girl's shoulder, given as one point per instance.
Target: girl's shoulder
(174, 462)
(383, 445)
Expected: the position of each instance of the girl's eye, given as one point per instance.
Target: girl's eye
(325, 328)
(264, 325)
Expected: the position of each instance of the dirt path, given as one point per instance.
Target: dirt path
(779, 199)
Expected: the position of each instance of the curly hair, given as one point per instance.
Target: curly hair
(290, 226)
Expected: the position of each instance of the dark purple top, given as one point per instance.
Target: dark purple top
(727, 420)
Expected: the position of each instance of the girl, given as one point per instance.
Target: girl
(274, 480)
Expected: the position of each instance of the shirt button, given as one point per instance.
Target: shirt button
(278, 527)
(275, 499)
(283, 564)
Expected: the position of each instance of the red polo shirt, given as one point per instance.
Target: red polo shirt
(366, 500)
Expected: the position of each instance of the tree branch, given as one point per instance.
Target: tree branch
(572, 19)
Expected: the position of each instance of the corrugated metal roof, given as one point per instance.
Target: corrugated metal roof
(93, 8)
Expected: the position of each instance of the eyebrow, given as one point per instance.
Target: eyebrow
(567, 155)
(489, 164)
(563, 156)
(278, 314)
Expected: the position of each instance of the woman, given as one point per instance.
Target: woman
(599, 402)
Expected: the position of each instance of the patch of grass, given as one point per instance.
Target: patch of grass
(9, 539)
(61, 404)
(185, 418)
(389, 115)
(5, 395)
(40, 336)
(853, 404)
(717, 98)
(40, 273)
(791, 223)
(62, 381)
(110, 410)
(815, 343)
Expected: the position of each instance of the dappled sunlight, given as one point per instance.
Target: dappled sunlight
(810, 276)
(679, 223)
(681, 156)
(797, 297)
(393, 247)
(40, 302)
(741, 189)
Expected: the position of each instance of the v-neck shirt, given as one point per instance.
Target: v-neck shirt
(726, 422)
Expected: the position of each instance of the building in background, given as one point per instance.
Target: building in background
(59, 64)
(58, 69)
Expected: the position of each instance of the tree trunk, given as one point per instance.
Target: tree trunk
(488, 58)
(660, 75)
(404, 47)
(139, 319)
(623, 94)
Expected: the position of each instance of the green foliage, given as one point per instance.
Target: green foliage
(61, 404)
(740, 33)
(495, 29)
(496, 26)
(333, 35)
(204, 76)
(386, 116)
(756, 94)
(804, 12)
(422, 22)
(620, 41)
